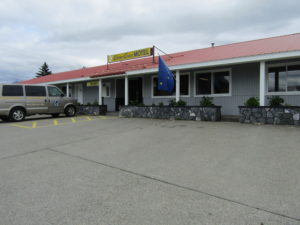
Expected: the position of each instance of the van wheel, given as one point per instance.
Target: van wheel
(70, 111)
(55, 115)
(4, 118)
(17, 114)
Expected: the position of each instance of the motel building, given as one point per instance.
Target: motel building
(229, 73)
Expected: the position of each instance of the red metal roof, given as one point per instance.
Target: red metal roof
(243, 49)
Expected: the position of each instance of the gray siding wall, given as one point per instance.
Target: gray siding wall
(91, 94)
(245, 84)
(291, 99)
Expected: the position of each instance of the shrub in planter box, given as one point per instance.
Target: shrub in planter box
(206, 102)
(252, 102)
(275, 113)
(275, 101)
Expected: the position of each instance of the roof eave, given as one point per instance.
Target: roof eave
(239, 60)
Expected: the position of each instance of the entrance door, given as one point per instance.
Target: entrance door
(78, 93)
(135, 90)
(120, 93)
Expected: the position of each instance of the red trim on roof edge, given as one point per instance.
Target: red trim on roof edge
(101, 74)
(280, 44)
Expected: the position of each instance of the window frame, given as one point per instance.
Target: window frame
(57, 88)
(171, 96)
(39, 96)
(286, 92)
(14, 96)
(212, 94)
(189, 81)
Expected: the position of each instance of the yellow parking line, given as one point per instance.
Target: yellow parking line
(34, 124)
(20, 126)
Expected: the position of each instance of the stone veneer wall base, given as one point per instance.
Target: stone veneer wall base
(168, 112)
(285, 115)
(92, 110)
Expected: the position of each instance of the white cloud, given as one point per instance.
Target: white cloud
(69, 34)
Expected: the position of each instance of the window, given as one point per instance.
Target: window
(184, 87)
(184, 84)
(284, 78)
(64, 90)
(54, 92)
(105, 89)
(293, 79)
(277, 80)
(34, 91)
(12, 90)
(203, 84)
(213, 82)
(221, 82)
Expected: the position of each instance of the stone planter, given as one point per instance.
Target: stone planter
(177, 113)
(286, 115)
(92, 110)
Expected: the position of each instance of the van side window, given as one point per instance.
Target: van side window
(54, 92)
(35, 91)
(12, 90)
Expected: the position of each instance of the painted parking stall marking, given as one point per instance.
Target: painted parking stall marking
(41, 123)
(34, 124)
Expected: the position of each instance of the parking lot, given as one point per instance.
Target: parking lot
(110, 170)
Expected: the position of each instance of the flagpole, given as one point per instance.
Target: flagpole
(153, 53)
(164, 52)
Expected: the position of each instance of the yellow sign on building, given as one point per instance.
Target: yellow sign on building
(92, 83)
(130, 55)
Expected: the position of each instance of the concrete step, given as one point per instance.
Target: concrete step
(230, 118)
(112, 113)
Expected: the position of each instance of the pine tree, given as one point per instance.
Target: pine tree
(44, 70)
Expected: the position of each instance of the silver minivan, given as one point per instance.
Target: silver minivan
(18, 101)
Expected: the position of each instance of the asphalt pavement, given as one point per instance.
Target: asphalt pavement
(107, 170)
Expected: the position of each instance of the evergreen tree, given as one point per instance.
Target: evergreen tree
(44, 70)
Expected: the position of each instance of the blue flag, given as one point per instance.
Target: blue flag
(165, 77)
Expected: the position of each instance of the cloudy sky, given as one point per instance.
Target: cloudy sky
(70, 34)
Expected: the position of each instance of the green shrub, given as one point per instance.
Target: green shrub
(161, 104)
(206, 101)
(88, 104)
(172, 102)
(275, 101)
(153, 104)
(95, 103)
(252, 102)
(77, 103)
(141, 104)
(181, 103)
(133, 102)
